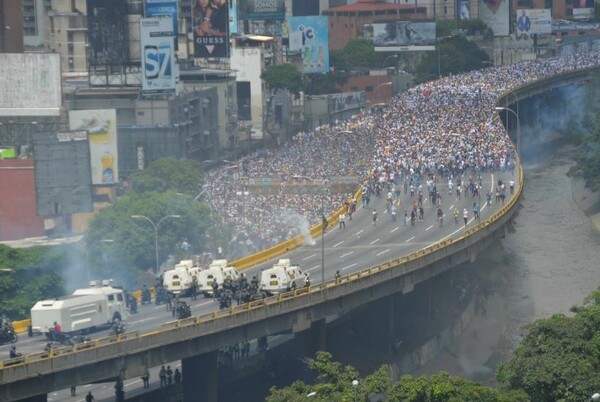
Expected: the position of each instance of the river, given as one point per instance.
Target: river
(547, 263)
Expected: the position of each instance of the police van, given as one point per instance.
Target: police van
(282, 277)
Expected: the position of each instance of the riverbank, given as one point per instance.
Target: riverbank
(587, 201)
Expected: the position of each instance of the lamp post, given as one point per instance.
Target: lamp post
(323, 223)
(156, 226)
(355, 386)
(437, 48)
(499, 108)
(389, 57)
(596, 397)
(510, 91)
(377, 88)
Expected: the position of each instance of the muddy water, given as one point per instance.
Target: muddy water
(548, 263)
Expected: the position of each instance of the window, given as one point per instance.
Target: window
(369, 88)
(111, 298)
(548, 3)
(119, 297)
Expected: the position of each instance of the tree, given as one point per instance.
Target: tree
(452, 56)
(343, 383)
(131, 257)
(29, 275)
(182, 176)
(360, 53)
(283, 76)
(559, 357)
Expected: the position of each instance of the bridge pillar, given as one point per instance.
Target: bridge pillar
(37, 398)
(391, 321)
(200, 378)
(319, 329)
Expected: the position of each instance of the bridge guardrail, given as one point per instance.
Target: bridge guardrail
(96, 346)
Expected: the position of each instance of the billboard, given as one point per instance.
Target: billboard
(160, 8)
(30, 84)
(265, 9)
(583, 9)
(310, 36)
(101, 125)
(211, 28)
(463, 9)
(416, 35)
(531, 22)
(107, 32)
(233, 16)
(495, 14)
(62, 173)
(158, 55)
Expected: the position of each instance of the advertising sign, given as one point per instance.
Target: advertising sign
(159, 8)
(30, 84)
(107, 32)
(463, 9)
(211, 28)
(583, 9)
(405, 33)
(495, 14)
(158, 55)
(265, 9)
(531, 22)
(566, 26)
(62, 173)
(101, 125)
(310, 36)
(233, 16)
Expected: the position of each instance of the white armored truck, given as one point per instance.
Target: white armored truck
(217, 271)
(282, 277)
(179, 280)
(84, 310)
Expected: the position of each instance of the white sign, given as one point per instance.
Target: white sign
(158, 55)
(30, 84)
(531, 22)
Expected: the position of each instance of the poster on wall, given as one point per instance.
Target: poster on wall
(233, 16)
(265, 9)
(583, 9)
(160, 8)
(495, 14)
(210, 22)
(463, 9)
(158, 55)
(101, 126)
(530, 22)
(310, 36)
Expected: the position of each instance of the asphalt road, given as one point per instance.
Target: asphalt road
(360, 245)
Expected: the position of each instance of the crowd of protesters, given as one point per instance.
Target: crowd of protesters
(443, 127)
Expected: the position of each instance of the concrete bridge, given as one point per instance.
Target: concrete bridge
(195, 341)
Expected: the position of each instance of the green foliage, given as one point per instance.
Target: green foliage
(34, 275)
(559, 358)
(284, 76)
(451, 27)
(133, 246)
(182, 176)
(587, 125)
(359, 53)
(335, 383)
(456, 55)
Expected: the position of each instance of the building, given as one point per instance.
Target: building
(35, 21)
(11, 27)
(18, 217)
(67, 34)
(348, 21)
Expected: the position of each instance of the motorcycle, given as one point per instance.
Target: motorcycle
(8, 336)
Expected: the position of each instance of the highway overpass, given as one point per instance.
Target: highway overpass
(361, 252)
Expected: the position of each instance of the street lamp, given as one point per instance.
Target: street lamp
(156, 226)
(510, 91)
(596, 397)
(355, 386)
(323, 222)
(387, 58)
(437, 48)
(499, 108)
(377, 88)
